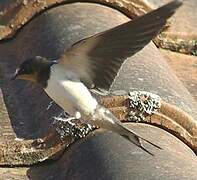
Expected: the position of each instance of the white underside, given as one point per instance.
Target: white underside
(69, 93)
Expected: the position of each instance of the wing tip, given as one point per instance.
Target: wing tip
(174, 4)
(178, 2)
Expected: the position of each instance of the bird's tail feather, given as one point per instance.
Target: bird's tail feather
(135, 139)
(108, 121)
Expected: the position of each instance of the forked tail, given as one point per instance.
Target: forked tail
(105, 119)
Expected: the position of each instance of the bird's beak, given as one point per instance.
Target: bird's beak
(14, 76)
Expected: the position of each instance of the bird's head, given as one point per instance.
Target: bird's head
(36, 70)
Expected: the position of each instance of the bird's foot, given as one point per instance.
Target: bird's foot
(64, 120)
(70, 126)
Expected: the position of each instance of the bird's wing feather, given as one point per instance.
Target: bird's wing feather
(97, 59)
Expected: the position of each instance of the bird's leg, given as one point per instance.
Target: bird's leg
(63, 125)
(67, 118)
(71, 126)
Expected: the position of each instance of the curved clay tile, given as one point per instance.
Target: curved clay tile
(26, 133)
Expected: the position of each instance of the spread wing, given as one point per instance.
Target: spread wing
(97, 59)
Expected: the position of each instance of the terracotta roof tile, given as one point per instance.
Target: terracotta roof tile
(23, 106)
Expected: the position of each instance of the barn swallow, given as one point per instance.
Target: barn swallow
(92, 64)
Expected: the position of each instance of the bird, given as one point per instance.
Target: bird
(90, 66)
